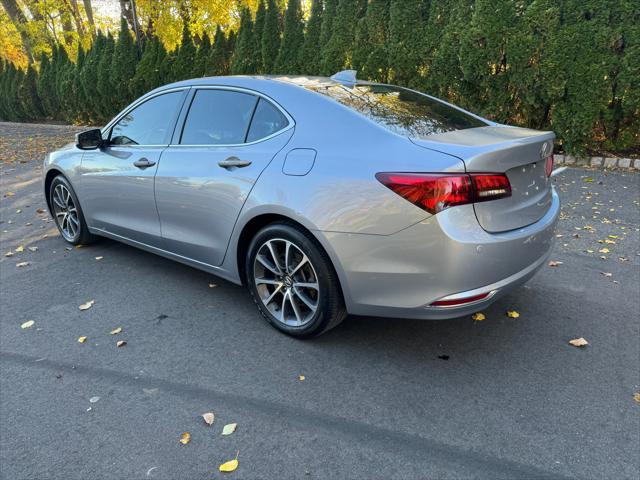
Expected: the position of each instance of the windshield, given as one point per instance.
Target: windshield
(402, 111)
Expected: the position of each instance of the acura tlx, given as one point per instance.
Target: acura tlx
(323, 196)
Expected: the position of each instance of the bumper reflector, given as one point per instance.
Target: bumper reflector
(460, 301)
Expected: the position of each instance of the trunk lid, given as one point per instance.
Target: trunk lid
(519, 153)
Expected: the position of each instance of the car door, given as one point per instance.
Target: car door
(228, 137)
(117, 179)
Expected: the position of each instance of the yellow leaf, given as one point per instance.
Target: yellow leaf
(208, 418)
(185, 438)
(512, 314)
(636, 397)
(82, 339)
(588, 180)
(604, 250)
(610, 242)
(20, 249)
(578, 342)
(116, 331)
(478, 317)
(230, 466)
(87, 306)
(120, 343)
(301, 378)
(614, 236)
(27, 324)
(229, 428)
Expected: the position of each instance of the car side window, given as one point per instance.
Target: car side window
(266, 120)
(148, 123)
(218, 117)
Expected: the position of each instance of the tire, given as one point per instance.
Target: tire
(67, 213)
(311, 295)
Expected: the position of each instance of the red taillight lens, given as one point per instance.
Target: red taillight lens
(460, 301)
(434, 192)
(548, 165)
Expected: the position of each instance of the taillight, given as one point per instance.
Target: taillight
(548, 165)
(435, 192)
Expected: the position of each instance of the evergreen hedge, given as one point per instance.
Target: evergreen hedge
(572, 66)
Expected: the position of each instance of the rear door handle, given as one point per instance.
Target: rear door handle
(144, 163)
(234, 162)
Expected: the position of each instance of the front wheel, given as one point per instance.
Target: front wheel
(67, 213)
(292, 281)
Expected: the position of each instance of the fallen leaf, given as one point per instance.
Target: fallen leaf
(610, 242)
(116, 331)
(9, 194)
(578, 342)
(613, 236)
(301, 378)
(208, 418)
(99, 258)
(87, 306)
(19, 211)
(9, 254)
(478, 317)
(604, 250)
(512, 314)
(27, 324)
(554, 263)
(606, 274)
(94, 399)
(23, 264)
(212, 285)
(33, 249)
(82, 339)
(185, 438)
(20, 249)
(231, 465)
(588, 180)
(636, 397)
(229, 428)
(40, 210)
(120, 343)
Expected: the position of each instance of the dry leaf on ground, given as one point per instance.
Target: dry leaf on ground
(120, 343)
(212, 285)
(301, 378)
(636, 397)
(578, 342)
(478, 317)
(116, 331)
(33, 249)
(9, 254)
(607, 274)
(185, 438)
(230, 466)
(604, 250)
(208, 418)
(94, 399)
(27, 324)
(554, 263)
(87, 306)
(512, 314)
(82, 339)
(23, 264)
(99, 258)
(229, 428)
(20, 249)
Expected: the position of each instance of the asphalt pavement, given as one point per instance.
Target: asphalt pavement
(374, 398)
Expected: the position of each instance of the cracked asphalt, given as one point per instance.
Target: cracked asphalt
(512, 400)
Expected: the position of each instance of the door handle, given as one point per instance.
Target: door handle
(234, 162)
(144, 163)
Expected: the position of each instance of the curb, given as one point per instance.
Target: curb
(597, 162)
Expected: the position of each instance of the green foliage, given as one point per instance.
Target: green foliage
(270, 41)
(571, 66)
(309, 58)
(292, 40)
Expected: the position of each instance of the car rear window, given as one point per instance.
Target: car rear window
(402, 111)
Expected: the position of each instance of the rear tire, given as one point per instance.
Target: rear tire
(292, 281)
(67, 213)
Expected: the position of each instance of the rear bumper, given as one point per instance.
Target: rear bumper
(446, 255)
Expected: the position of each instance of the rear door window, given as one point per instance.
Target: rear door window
(218, 117)
(400, 110)
(266, 121)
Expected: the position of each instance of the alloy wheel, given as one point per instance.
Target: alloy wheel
(286, 282)
(66, 212)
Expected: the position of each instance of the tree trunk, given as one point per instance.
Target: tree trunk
(77, 19)
(20, 21)
(126, 11)
(88, 9)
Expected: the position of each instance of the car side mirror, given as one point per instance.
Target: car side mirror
(89, 139)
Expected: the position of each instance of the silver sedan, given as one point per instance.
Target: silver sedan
(324, 196)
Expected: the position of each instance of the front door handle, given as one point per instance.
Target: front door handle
(144, 163)
(234, 162)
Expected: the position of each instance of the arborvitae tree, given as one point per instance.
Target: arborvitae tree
(406, 29)
(217, 64)
(123, 67)
(309, 58)
(242, 61)
(12, 105)
(45, 86)
(89, 76)
(31, 100)
(141, 82)
(326, 29)
(78, 99)
(375, 64)
(292, 40)
(361, 47)
(270, 41)
(64, 84)
(258, 30)
(337, 52)
(106, 92)
(230, 44)
(202, 57)
(184, 57)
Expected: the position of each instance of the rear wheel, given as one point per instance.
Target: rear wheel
(67, 212)
(292, 281)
